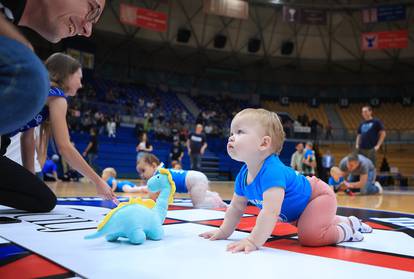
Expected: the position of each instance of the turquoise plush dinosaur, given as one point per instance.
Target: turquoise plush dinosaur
(140, 219)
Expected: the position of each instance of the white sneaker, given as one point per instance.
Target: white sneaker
(358, 226)
(350, 234)
(378, 185)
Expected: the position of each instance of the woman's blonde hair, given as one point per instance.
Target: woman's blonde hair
(271, 124)
(111, 171)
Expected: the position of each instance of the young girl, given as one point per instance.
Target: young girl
(144, 146)
(65, 75)
(193, 182)
(109, 175)
(256, 138)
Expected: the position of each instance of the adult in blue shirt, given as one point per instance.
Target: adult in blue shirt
(23, 77)
(371, 135)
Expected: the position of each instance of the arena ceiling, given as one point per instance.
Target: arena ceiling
(334, 47)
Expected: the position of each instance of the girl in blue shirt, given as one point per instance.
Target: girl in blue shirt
(65, 75)
(256, 138)
(193, 182)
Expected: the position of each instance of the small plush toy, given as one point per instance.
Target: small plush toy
(140, 219)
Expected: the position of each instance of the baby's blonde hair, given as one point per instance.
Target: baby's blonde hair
(111, 171)
(271, 124)
(335, 171)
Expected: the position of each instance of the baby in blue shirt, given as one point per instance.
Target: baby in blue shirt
(256, 138)
(109, 175)
(338, 182)
(186, 181)
(336, 178)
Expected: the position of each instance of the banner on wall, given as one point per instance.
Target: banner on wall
(235, 8)
(304, 16)
(384, 13)
(144, 18)
(384, 40)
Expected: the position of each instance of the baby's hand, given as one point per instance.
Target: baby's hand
(214, 235)
(245, 245)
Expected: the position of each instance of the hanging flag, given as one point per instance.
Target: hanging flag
(384, 40)
(144, 18)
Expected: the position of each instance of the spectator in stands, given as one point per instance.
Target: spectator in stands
(371, 135)
(91, 150)
(328, 131)
(309, 160)
(328, 161)
(177, 152)
(208, 129)
(314, 125)
(50, 169)
(355, 165)
(385, 177)
(297, 158)
(144, 146)
(111, 128)
(196, 145)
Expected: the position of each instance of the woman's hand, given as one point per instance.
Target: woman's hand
(105, 191)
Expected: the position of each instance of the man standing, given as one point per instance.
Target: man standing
(91, 151)
(297, 158)
(371, 135)
(196, 145)
(355, 165)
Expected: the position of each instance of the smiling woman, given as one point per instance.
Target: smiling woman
(58, 19)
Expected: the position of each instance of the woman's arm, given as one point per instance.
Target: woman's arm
(57, 111)
(27, 149)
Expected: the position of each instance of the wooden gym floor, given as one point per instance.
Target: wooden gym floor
(402, 201)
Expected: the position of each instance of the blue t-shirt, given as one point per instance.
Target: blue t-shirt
(369, 132)
(49, 167)
(119, 184)
(179, 179)
(335, 184)
(41, 116)
(309, 154)
(275, 174)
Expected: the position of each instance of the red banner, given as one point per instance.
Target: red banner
(384, 40)
(140, 17)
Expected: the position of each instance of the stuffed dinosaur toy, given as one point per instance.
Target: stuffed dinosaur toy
(140, 219)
